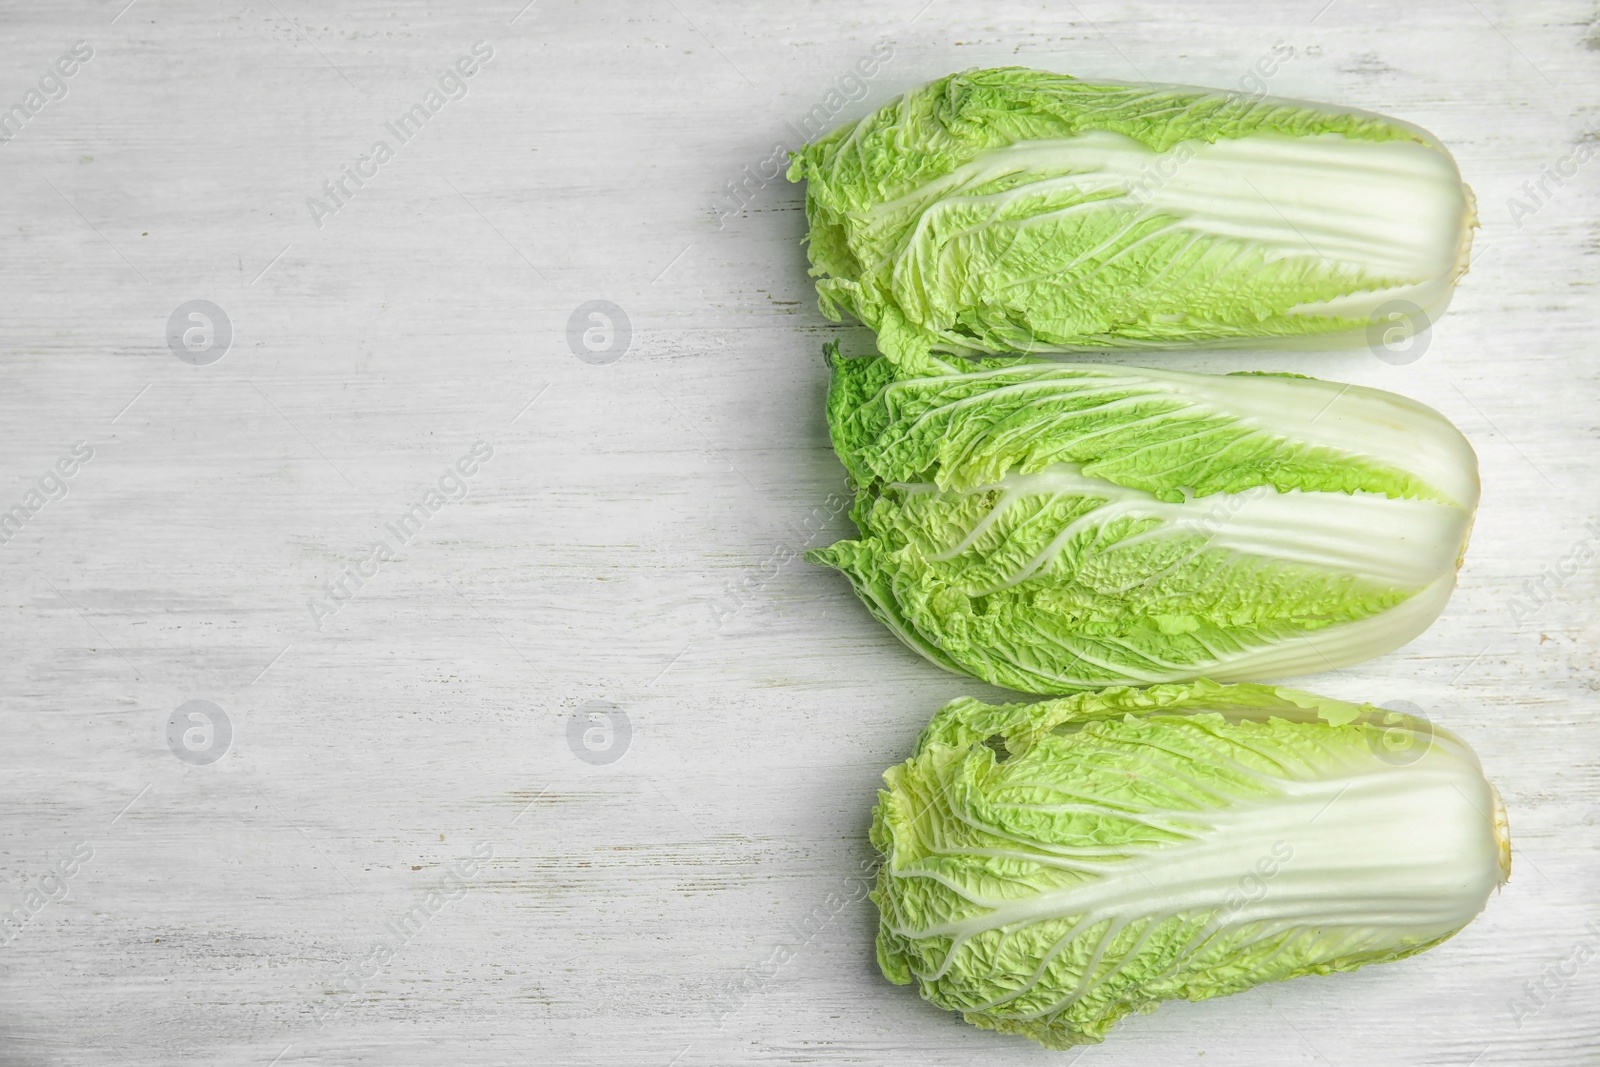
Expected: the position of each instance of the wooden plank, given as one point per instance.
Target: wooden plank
(631, 911)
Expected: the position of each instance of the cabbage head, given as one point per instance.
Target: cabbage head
(1049, 868)
(1016, 210)
(1053, 527)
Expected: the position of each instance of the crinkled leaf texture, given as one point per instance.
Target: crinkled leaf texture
(1053, 527)
(1049, 868)
(1016, 210)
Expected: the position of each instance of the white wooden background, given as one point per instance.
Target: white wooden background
(697, 900)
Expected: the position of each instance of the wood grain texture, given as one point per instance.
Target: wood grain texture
(697, 901)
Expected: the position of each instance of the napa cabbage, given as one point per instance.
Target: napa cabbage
(1015, 210)
(1053, 527)
(1049, 868)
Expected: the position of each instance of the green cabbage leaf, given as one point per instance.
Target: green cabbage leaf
(1049, 868)
(1015, 210)
(1053, 527)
